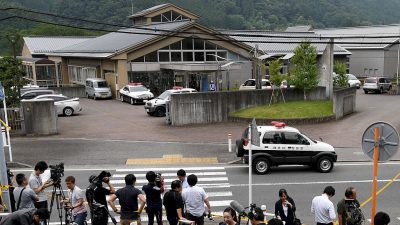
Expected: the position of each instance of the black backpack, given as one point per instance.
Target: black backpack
(354, 214)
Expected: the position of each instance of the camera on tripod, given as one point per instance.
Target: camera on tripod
(98, 179)
(56, 172)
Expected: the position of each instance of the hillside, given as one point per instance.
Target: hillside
(223, 14)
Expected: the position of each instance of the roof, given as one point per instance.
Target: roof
(363, 35)
(273, 128)
(156, 8)
(106, 45)
(299, 29)
(47, 44)
(282, 43)
(36, 60)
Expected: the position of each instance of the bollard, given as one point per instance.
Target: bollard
(230, 142)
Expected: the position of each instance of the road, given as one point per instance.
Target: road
(230, 182)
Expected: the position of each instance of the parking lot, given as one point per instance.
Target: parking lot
(112, 119)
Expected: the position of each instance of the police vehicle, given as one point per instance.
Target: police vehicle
(157, 106)
(135, 93)
(283, 145)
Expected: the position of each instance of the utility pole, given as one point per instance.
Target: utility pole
(13, 39)
(256, 68)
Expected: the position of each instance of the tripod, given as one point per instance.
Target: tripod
(58, 195)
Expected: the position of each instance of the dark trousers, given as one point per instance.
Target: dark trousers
(172, 220)
(41, 205)
(157, 212)
(197, 220)
(101, 218)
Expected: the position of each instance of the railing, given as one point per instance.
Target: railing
(15, 120)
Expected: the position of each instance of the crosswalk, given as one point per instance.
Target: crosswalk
(213, 179)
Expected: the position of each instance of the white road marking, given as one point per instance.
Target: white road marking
(205, 186)
(170, 180)
(312, 182)
(169, 169)
(174, 174)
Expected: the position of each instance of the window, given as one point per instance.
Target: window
(210, 46)
(199, 56)
(79, 74)
(188, 56)
(272, 138)
(187, 44)
(151, 57)
(176, 46)
(140, 59)
(176, 56)
(198, 44)
(250, 83)
(163, 56)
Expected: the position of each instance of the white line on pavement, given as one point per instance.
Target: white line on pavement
(312, 182)
(170, 180)
(169, 169)
(205, 186)
(174, 174)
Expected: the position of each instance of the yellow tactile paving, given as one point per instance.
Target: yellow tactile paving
(171, 159)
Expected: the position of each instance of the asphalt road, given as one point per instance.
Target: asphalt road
(227, 183)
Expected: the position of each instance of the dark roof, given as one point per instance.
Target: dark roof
(47, 44)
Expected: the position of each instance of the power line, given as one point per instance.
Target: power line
(223, 32)
(175, 33)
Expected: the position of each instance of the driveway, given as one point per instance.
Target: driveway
(112, 119)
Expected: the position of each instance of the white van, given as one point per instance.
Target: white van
(97, 88)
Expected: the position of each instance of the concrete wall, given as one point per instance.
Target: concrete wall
(325, 70)
(390, 63)
(210, 107)
(70, 91)
(362, 59)
(344, 101)
(40, 117)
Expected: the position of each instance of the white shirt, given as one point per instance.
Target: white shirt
(323, 209)
(194, 200)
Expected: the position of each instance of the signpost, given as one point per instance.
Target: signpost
(254, 139)
(6, 131)
(379, 142)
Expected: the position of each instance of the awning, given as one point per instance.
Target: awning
(288, 56)
(266, 56)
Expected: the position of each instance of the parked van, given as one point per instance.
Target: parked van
(97, 88)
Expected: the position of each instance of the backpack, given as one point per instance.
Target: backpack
(354, 214)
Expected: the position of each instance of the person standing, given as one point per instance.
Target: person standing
(182, 177)
(257, 217)
(36, 184)
(323, 208)
(128, 199)
(381, 218)
(99, 196)
(153, 199)
(349, 204)
(195, 197)
(230, 217)
(173, 203)
(285, 208)
(10, 179)
(76, 200)
(25, 197)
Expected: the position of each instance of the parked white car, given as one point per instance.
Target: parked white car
(352, 81)
(65, 105)
(250, 84)
(135, 93)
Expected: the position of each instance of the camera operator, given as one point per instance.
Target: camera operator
(257, 216)
(27, 217)
(10, 179)
(153, 199)
(36, 184)
(99, 196)
(76, 200)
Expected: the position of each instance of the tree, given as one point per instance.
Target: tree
(341, 79)
(276, 79)
(304, 73)
(11, 74)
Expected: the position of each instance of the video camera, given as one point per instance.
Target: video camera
(56, 172)
(99, 178)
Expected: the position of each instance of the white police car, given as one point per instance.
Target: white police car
(282, 145)
(135, 93)
(157, 106)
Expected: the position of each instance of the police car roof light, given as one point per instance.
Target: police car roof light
(135, 84)
(278, 124)
(177, 88)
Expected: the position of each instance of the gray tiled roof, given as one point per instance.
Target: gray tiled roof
(149, 10)
(111, 43)
(42, 45)
(270, 43)
(299, 29)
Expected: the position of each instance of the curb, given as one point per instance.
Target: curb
(297, 121)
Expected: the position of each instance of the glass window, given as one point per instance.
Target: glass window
(291, 138)
(137, 89)
(188, 56)
(223, 55)
(156, 19)
(199, 56)
(163, 56)
(176, 46)
(187, 44)
(250, 83)
(176, 57)
(140, 59)
(102, 84)
(198, 44)
(210, 46)
(175, 16)
(272, 138)
(210, 56)
(152, 57)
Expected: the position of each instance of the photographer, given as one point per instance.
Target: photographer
(76, 200)
(27, 217)
(153, 199)
(257, 216)
(100, 216)
(36, 184)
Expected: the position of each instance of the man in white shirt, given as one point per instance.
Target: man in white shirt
(36, 184)
(323, 208)
(182, 177)
(195, 198)
(24, 196)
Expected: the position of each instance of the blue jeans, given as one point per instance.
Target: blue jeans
(80, 218)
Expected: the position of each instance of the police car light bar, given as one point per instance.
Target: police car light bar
(177, 88)
(135, 84)
(278, 124)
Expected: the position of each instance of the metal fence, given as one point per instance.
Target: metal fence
(15, 119)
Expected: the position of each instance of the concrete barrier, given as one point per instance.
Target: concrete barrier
(344, 101)
(210, 107)
(71, 91)
(40, 117)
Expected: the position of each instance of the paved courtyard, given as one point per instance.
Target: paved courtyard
(112, 119)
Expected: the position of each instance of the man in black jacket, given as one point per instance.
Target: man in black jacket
(173, 203)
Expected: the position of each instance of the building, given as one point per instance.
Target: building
(375, 49)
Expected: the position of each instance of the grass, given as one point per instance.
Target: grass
(288, 110)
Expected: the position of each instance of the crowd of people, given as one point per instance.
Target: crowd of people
(185, 201)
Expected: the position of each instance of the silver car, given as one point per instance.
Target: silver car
(377, 84)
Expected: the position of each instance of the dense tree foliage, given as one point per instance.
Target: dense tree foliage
(340, 79)
(223, 14)
(11, 74)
